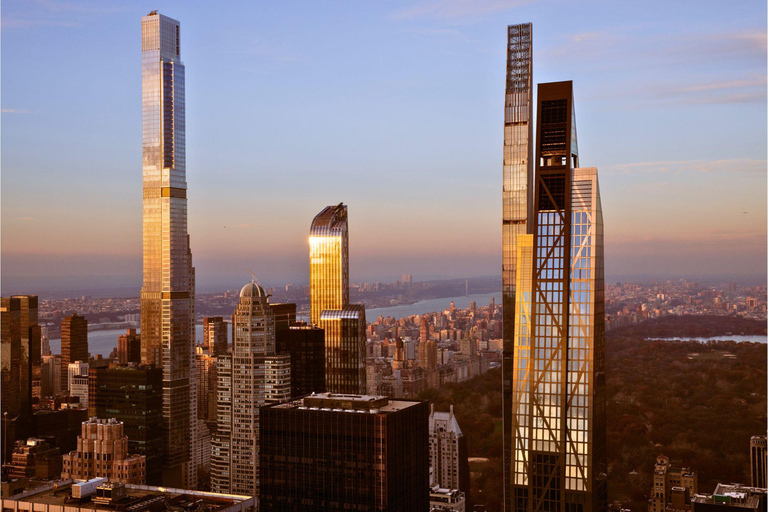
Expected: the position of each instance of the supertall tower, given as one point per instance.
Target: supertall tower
(344, 323)
(167, 294)
(558, 378)
(517, 187)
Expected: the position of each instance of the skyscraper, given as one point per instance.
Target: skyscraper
(344, 323)
(345, 452)
(758, 455)
(557, 426)
(447, 452)
(167, 294)
(74, 345)
(516, 191)
(215, 335)
(132, 394)
(21, 358)
(328, 261)
(258, 376)
(129, 347)
(306, 345)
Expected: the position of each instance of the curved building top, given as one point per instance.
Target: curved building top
(331, 221)
(252, 289)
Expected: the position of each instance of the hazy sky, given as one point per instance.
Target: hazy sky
(395, 108)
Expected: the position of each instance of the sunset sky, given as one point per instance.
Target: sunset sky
(396, 109)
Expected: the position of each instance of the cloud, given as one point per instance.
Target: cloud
(49, 13)
(741, 165)
(14, 111)
(456, 9)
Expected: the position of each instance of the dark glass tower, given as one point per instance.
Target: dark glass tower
(74, 344)
(345, 452)
(517, 187)
(558, 376)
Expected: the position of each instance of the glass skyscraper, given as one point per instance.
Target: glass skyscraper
(168, 290)
(344, 323)
(557, 422)
(517, 187)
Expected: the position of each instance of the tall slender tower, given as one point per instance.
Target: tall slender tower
(558, 378)
(328, 261)
(74, 345)
(167, 294)
(344, 323)
(517, 187)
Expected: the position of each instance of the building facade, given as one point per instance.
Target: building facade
(672, 487)
(448, 462)
(129, 347)
(343, 323)
(758, 456)
(306, 346)
(557, 426)
(102, 451)
(215, 335)
(132, 394)
(259, 377)
(21, 357)
(74, 345)
(168, 289)
(35, 458)
(345, 452)
(516, 204)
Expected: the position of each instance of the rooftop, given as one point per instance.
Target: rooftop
(138, 498)
(338, 402)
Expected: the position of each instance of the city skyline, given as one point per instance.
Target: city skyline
(694, 168)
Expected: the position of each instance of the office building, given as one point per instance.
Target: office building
(102, 451)
(74, 345)
(215, 335)
(132, 394)
(21, 357)
(448, 457)
(129, 347)
(35, 458)
(758, 456)
(50, 381)
(345, 452)
(168, 288)
(345, 349)
(516, 204)
(672, 487)
(557, 427)
(257, 377)
(446, 500)
(102, 496)
(285, 315)
(306, 346)
(329, 302)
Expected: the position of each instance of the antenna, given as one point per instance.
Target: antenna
(253, 277)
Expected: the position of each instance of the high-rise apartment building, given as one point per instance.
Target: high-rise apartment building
(328, 262)
(132, 394)
(102, 450)
(129, 347)
(50, 382)
(256, 376)
(758, 457)
(220, 441)
(74, 345)
(343, 323)
(168, 289)
(557, 427)
(215, 335)
(448, 462)
(306, 346)
(345, 452)
(516, 204)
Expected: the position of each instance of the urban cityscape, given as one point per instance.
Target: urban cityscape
(579, 378)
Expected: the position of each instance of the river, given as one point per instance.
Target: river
(432, 305)
(739, 338)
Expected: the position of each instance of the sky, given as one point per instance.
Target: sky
(394, 108)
